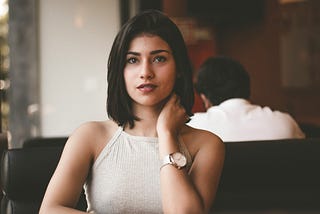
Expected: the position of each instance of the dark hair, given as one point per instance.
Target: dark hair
(119, 104)
(221, 78)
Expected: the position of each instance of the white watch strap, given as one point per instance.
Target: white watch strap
(166, 160)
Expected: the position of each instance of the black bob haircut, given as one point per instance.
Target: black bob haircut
(221, 78)
(153, 22)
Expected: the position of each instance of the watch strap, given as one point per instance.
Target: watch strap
(166, 160)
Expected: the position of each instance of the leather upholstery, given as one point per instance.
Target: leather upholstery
(279, 176)
(25, 173)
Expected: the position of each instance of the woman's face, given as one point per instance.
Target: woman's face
(150, 70)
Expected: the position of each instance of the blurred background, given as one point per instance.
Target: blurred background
(53, 56)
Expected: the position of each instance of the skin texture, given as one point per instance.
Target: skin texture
(149, 56)
(149, 74)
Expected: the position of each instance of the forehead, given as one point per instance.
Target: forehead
(148, 42)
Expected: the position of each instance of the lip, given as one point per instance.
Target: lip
(146, 87)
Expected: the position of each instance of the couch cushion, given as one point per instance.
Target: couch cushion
(278, 175)
(25, 173)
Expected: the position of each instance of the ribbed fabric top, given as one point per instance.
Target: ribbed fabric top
(125, 177)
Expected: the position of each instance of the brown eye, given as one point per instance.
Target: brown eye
(160, 59)
(132, 60)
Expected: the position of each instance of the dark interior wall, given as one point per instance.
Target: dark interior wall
(257, 47)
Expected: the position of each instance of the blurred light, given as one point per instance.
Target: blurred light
(4, 84)
(78, 21)
(4, 30)
(5, 49)
(33, 108)
(5, 108)
(291, 1)
(4, 8)
(79, 16)
(5, 65)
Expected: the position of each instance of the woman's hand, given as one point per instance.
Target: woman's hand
(172, 116)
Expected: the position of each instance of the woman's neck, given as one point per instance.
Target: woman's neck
(146, 126)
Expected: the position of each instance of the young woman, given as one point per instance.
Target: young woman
(144, 159)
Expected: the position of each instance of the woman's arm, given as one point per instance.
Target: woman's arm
(66, 184)
(207, 167)
(184, 192)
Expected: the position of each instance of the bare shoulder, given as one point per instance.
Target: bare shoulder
(92, 136)
(197, 139)
(96, 129)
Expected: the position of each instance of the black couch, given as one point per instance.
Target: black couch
(25, 173)
(280, 176)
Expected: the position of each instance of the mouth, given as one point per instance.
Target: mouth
(146, 87)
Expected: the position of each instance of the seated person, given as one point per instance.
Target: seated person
(143, 158)
(224, 87)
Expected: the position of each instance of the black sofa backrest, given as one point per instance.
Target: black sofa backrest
(25, 174)
(276, 176)
(280, 176)
(44, 141)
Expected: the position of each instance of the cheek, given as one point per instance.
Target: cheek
(172, 77)
(170, 82)
(128, 76)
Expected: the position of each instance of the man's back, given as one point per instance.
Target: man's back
(238, 120)
(224, 87)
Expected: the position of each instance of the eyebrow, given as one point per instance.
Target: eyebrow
(152, 52)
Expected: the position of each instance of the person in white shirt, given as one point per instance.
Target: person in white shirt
(224, 87)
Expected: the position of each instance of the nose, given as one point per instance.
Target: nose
(146, 71)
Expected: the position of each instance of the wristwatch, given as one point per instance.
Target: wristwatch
(176, 159)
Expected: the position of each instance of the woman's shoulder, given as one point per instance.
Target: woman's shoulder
(95, 129)
(93, 135)
(198, 139)
(200, 135)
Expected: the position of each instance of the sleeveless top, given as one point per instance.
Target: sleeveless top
(125, 178)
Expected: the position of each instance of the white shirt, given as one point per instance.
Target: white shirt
(239, 120)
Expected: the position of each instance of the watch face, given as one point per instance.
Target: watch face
(179, 159)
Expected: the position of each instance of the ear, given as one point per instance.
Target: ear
(206, 101)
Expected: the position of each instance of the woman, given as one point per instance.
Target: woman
(145, 159)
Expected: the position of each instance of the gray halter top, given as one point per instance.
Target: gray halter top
(125, 178)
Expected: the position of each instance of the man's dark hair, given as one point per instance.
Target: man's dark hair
(221, 78)
(153, 22)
